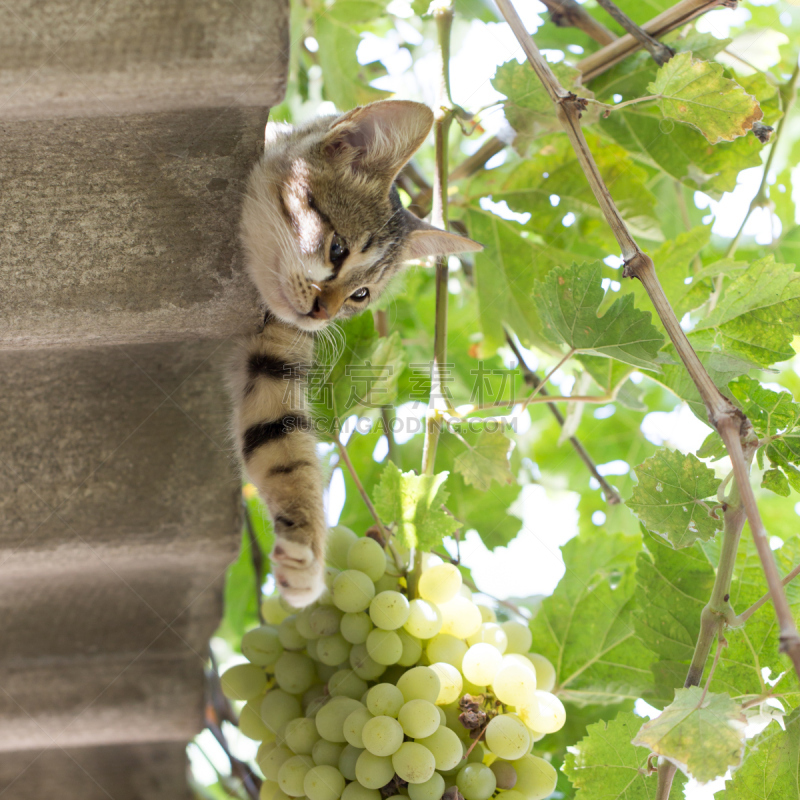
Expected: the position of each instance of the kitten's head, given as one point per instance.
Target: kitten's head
(322, 224)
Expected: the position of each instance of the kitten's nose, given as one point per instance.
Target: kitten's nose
(319, 310)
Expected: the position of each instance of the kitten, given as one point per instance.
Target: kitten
(324, 232)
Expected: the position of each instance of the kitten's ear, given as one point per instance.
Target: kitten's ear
(426, 240)
(380, 137)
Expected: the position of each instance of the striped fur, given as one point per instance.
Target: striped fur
(322, 189)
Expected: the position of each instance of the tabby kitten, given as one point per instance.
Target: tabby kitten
(324, 232)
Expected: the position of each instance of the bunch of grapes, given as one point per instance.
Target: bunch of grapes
(365, 694)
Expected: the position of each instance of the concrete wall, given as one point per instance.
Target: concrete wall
(128, 130)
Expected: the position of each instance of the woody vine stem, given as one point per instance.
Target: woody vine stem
(731, 424)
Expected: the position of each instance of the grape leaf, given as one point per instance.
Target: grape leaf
(681, 151)
(770, 768)
(695, 92)
(701, 733)
(672, 588)
(413, 503)
(486, 460)
(670, 497)
(585, 627)
(604, 765)
(568, 301)
(346, 81)
(529, 109)
(776, 481)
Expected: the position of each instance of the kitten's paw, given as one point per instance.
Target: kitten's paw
(299, 575)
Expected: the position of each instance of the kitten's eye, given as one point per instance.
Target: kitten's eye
(360, 295)
(339, 251)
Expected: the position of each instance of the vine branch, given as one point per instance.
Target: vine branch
(534, 381)
(256, 557)
(732, 425)
(568, 13)
(658, 50)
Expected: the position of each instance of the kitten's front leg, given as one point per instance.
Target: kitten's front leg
(278, 447)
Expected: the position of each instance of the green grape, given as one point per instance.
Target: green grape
(353, 591)
(432, 789)
(514, 684)
(272, 610)
(311, 649)
(353, 726)
(303, 624)
(323, 783)
(460, 617)
(507, 737)
(333, 650)
(311, 694)
(419, 683)
(270, 759)
(348, 760)
(536, 778)
(330, 576)
(251, 724)
(504, 773)
(364, 665)
(545, 672)
(325, 752)
(288, 635)
(440, 583)
(476, 782)
(513, 794)
(340, 540)
(382, 735)
(487, 613)
(262, 646)
(419, 718)
(442, 715)
(386, 583)
(295, 673)
(384, 647)
(445, 746)
(355, 627)
(326, 671)
(412, 649)
(490, 633)
(477, 754)
(450, 682)
(278, 707)
(367, 556)
(324, 620)
(389, 610)
(481, 663)
(452, 712)
(244, 681)
(346, 682)
(519, 636)
(292, 774)
(270, 791)
(355, 791)
(444, 647)
(545, 714)
(424, 619)
(301, 735)
(330, 718)
(385, 699)
(373, 772)
(413, 762)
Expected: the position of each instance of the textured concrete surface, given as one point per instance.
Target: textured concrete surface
(125, 229)
(118, 517)
(155, 771)
(80, 58)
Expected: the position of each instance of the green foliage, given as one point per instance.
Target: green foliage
(413, 503)
(670, 498)
(585, 627)
(606, 766)
(568, 302)
(624, 620)
(695, 92)
(701, 731)
(770, 770)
